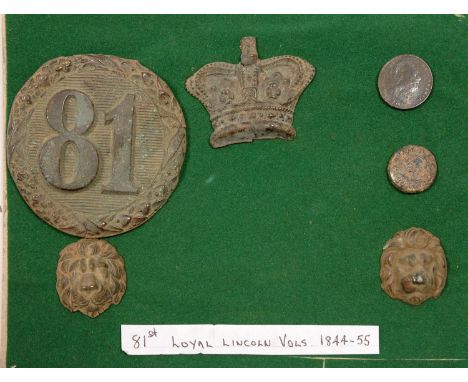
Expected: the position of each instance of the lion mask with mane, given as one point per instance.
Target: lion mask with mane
(90, 277)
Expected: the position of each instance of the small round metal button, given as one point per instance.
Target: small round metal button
(412, 169)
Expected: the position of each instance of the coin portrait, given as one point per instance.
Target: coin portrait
(95, 144)
(413, 267)
(90, 277)
(405, 81)
(412, 169)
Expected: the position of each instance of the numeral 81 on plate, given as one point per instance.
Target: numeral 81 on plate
(52, 152)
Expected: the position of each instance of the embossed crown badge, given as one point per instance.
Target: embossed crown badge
(254, 99)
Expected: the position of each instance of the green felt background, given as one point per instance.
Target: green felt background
(270, 232)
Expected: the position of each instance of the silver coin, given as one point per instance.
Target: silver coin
(405, 81)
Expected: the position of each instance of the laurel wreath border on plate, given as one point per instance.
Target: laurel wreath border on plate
(148, 203)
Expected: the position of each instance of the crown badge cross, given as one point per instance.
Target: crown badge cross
(254, 99)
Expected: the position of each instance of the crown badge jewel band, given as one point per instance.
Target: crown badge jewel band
(254, 99)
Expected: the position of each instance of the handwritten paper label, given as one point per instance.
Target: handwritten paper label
(250, 339)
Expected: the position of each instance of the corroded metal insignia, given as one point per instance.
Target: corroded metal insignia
(95, 144)
(412, 169)
(90, 277)
(413, 266)
(254, 99)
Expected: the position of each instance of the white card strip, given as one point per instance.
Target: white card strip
(250, 339)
